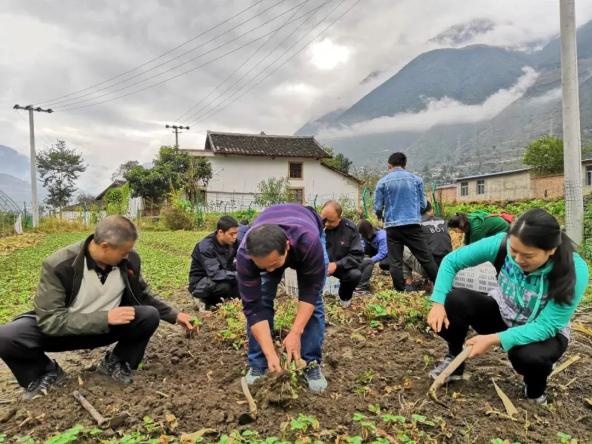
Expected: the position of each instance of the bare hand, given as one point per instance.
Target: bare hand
(273, 363)
(292, 346)
(331, 267)
(184, 320)
(121, 315)
(482, 343)
(437, 317)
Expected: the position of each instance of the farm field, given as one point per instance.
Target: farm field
(376, 358)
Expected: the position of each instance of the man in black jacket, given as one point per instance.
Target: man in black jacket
(437, 239)
(90, 294)
(344, 249)
(212, 276)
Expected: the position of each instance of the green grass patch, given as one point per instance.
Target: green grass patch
(166, 257)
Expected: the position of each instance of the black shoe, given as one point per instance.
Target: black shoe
(119, 370)
(456, 375)
(41, 386)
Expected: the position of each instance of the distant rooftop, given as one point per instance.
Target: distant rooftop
(264, 145)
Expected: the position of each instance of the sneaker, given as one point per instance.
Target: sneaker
(409, 288)
(315, 378)
(344, 304)
(456, 375)
(253, 374)
(120, 371)
(361, 291)
(541, 400)
(41, 386)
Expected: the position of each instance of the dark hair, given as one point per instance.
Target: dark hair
(265, 239)
(366, 229)
(244, 222)
(537, 228)
(336, 206)
(459, 220)
(225, 223)
(427, 208)
(397, 160)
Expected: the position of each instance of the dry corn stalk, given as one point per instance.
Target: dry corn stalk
(566, 364)
(508, 405)
(442, 377)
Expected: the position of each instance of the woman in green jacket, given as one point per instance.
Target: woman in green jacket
(477, 225)
(541, 282)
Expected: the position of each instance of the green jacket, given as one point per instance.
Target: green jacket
(61, 277)
(482, 224)
(522, 299)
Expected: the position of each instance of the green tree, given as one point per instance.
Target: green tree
(197, 177)
(173, 170)
(59, 168)
(147, 183)
(337, 161)
(272, 191)
(545, 155)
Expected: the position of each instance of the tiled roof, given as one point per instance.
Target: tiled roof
(264, 145)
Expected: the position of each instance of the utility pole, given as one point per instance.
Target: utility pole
(572, 151)
(176, 131)
(34, 200)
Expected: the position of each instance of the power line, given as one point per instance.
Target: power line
(216, 111)
(258, 64)
(56, 99)
(73, 106)
(244, 63)
(79, 99)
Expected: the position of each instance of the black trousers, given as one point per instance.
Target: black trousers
(348, 281)
(23, 344)
(366, 269)
(468, 308)
(413, 237)
(213, 292)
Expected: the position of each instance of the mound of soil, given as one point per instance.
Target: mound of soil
(198, 381)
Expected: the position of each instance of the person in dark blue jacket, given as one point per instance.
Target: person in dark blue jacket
(212, 277)
(376, 250)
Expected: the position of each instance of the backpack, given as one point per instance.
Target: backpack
(505, 216)
(500, 257)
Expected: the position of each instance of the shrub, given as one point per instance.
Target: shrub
(175, 218)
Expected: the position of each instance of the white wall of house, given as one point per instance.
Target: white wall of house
(235, 176)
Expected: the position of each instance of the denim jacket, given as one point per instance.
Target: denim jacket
(399, 198)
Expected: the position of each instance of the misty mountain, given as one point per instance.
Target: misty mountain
(468, 75)
(13, 163)
(18, 190)
(463, 33)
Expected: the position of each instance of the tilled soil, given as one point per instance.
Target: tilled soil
(197, 381)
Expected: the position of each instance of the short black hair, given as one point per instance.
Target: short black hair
(427, 208)
(397, 160)
(366, 229)
(265, 239)
(244, 221)
(225, 223)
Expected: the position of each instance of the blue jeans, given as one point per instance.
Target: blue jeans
(314, 332)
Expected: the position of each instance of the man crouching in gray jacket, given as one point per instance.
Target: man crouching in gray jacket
(90, 294)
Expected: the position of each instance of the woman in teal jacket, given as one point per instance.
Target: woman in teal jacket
(541, 282)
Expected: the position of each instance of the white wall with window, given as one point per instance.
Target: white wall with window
(235, 179)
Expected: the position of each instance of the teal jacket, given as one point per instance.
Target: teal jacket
(522, 298)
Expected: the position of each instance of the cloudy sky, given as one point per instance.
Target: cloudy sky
(117, 72)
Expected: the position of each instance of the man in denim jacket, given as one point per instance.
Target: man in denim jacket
(399, 200)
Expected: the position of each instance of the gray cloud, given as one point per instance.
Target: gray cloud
(52, 48)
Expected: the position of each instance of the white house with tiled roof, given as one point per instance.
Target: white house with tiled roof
(241, 161)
